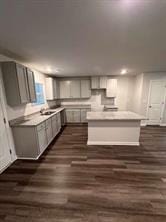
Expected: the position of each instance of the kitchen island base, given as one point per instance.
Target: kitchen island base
(113, 132)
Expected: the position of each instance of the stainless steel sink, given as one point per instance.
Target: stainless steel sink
(48, 113)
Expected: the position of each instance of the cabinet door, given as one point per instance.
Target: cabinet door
(58, 121)
(55, 89)
(64, 87)
(83, 115)
(85, 88)
(69, 116)
(49, 89)
(103, 82)
(111, 90)
(42, 138)
(75, 89)
(31, 85)
(22, 83)
(95, 82)
(54, 127)
(49, 130)
(76, 116)
(63, 118)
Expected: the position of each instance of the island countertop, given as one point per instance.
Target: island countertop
(117, 115)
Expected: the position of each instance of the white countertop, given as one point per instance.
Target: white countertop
(37, 119)
(117, 115)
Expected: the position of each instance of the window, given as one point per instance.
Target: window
(39, 94)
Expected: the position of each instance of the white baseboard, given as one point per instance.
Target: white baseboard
(113, 143)
(27, 158)
(3, 169)
(163, 124)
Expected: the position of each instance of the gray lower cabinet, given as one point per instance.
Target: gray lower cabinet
(54, 125)
(76, 115)
(41, 137)
(58, 121)
(31, 141)
(19, 84)
(63, 118)
(69, 116)
(49, 130)
(83, 115)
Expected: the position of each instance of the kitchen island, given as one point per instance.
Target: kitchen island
(114, 128)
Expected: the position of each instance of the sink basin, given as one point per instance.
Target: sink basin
(48, 113)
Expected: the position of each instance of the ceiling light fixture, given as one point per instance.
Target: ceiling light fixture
(56, 71)
(48, 69)
(51, 70)
(123, 71)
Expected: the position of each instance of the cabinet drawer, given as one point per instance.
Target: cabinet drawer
(41, 126)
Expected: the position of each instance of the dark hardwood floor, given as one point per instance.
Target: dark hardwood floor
(72, 182)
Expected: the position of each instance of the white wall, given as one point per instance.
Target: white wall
(137, 93)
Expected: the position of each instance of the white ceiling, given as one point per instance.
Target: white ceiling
(85, 37)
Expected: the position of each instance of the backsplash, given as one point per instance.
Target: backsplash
(97, 98)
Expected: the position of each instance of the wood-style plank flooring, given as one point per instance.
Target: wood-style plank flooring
(72, 182)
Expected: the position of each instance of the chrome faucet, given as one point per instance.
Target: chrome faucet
(42, 110)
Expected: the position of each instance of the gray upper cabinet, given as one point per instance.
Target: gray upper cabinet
(85, 88)
(16, 83)
(112, 88)
(95, 82)
(22, 83)
(51, 89)
(103, 82)
(31, 85)
(75, 89)
(64, 89)
(69, 89)
(98, 82)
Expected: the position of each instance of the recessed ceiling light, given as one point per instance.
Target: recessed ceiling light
(48, 69)
(56, 71)
(51, 70)
(123, 71)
